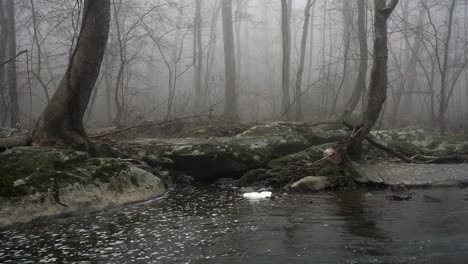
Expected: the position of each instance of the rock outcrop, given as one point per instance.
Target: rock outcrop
(213, 158)
(412, 175)
(37, 182)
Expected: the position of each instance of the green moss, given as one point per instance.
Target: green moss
(330, 170)
(104, 169)
(28, 170)
(350, 172)
(406, 148)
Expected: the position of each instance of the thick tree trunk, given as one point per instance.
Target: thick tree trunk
(11, 67)
(360, 84)
(61, 121)
(377, 93)
(286, 68)
(231, 97)
(300, 70)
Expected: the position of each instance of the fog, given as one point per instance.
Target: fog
(161, 62)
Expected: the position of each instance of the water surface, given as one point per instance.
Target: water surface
(212, 224)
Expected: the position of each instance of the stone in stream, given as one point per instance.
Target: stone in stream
(37, 182)
(214, 158)
(413, 175)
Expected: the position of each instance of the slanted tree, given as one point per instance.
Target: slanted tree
(377, 92)
(231, 110)
(61, 122)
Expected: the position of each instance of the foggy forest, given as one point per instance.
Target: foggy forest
(284, 108)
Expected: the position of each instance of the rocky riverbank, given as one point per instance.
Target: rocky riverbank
(37, 182)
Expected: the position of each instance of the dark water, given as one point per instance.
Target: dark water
(216, 225)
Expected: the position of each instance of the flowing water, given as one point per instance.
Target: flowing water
(213, 224)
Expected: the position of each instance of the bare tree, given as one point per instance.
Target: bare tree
(360, 83)
(286, 69)
(198, 55)
(300, 70)
(3, 53)
(11, 67)
(231, 96)
(61, 121)
(377, 92)
(347, 30)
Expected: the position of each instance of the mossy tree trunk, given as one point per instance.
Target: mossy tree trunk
(61, 121)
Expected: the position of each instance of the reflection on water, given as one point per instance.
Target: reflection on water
(216, 225)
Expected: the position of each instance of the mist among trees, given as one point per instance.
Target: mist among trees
(249, 60)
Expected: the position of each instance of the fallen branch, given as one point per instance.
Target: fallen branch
(151, 125)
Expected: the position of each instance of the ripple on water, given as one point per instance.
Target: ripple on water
(217, 225)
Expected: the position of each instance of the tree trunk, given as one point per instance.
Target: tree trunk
(238, 28)
(410, 76)
(3, 52)
(443, 76)
(231, 96)
(198, 56)
(61, 121)
(363, 57)
(11, 67)
(210, 57)
(286, 69)
(300, 70)
(347, 28)
(377, 93)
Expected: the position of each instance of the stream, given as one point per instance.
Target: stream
(215, 224)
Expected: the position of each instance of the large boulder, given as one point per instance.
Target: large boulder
(37, 182)
(213, 158)
(392, 174)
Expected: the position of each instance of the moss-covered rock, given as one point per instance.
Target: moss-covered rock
(311, 154)
(38, 182)
(212, 158)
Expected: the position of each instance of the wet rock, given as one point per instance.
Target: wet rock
(312, 183)
(212, 158)
(403, 174)
(37, 182)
